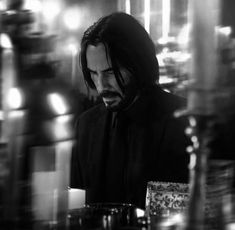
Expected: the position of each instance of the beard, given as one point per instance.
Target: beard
(129, 95)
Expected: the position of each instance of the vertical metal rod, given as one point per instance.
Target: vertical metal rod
(204, 18)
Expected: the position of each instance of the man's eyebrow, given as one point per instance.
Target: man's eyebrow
(92, 71)
(105, 70)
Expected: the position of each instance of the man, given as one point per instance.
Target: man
(132, 137)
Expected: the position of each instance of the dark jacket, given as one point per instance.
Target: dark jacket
(155, 150)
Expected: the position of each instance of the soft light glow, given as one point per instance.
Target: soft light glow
(140, 212)
(1, 115)
(165, 18)
(194, 139)
(57, 103)
(183, 37)
(147, 15)
(63, 119)
(227, 30)
(165, 40)
(61, 130)
(33, 5)
(50, 9)
(3, 5)
(128, 6)
(230, 226)
(5, 41)
(16, 114)
(189, 149)
(76, 198)
(174, 220)
(73, 48)
(14, 99)
(193, 160)
(72, 18)
(188, 131)
(192, 121)
(166, 80)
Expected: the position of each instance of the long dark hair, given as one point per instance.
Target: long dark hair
(128, 45)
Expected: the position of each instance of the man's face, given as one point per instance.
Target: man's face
(102, 74)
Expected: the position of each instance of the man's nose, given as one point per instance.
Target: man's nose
(102, 81)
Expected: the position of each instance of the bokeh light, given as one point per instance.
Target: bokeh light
(33, 5)
(72, 18)
(51, 9)
(57, 103)
(15, 98)
(5, 41)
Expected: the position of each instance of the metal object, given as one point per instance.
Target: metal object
(207, 107)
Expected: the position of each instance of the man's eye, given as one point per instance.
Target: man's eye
(92, 73)
(110, 72)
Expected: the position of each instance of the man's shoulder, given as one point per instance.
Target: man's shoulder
(168, 100)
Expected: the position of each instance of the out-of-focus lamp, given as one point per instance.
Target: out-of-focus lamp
(57, 103)
(50, 9)
(3, 5)
(5, 41)
(72, 18)
(33, 5)
(73, 48)
(15, 98)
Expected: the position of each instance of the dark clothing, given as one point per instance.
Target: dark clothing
(115, 157)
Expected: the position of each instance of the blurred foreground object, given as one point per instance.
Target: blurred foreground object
(105, 216)
(36, 127)
(209, 109)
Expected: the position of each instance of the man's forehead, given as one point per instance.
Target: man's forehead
(97, 54)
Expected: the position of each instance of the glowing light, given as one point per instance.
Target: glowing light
(192, 121)
(63, 119)
(33, 5)
(61, 130)
(73, 48)
(194, 139)
(193, 161)
(189, 149)
(188, 131)
(76, 198)
(15, 99)
(183, 37)
(128, 6)
(57, 103)
(50, 9)
(72, 18)
(147, 15)
(16, 114)
(1, 115)
(166, 80)
(140, 212)
(5, 41)
(3, 5)
(165, 18)
(230, 226)
(165, 40)
(227, 30)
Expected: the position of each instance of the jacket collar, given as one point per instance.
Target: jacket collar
(146, 107)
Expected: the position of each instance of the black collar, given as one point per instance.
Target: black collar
(142, 109)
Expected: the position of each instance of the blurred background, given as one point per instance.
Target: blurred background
(42, 88)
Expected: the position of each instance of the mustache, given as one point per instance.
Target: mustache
(107, 93)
